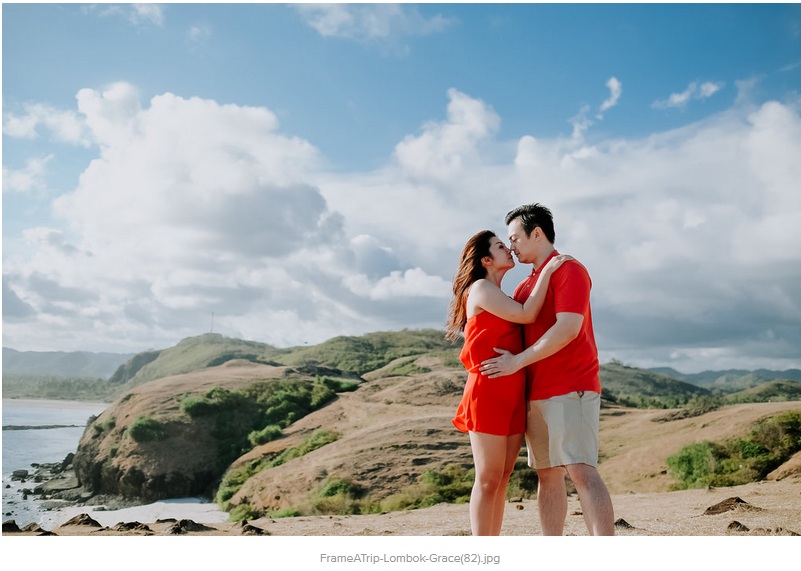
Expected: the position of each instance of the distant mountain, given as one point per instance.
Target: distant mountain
(357, 356)
(372, 351)
(192, 354)
(62, 364)
(731, 380)
(351, 355)
(770, 391)
(641, 387)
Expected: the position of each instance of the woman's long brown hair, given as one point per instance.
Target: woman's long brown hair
(468, 272)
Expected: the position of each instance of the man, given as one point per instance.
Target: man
(564, 387)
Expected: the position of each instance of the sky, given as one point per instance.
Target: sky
(288, 173)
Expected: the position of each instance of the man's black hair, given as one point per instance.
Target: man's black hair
(532, 216)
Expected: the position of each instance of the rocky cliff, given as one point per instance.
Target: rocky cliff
(150, 444)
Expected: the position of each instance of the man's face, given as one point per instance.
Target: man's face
(523, 246)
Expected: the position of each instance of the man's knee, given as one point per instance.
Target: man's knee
(583, 475)
(555, 475)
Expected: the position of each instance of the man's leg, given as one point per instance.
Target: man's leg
(552, 500)
(596, 503)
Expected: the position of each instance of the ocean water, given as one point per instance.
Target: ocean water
(22, 448)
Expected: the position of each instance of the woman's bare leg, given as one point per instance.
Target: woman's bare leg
(494, 458)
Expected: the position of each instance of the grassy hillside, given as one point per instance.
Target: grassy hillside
(641, 388)
(372, 351)
(396, 353)
(356, 355)
(773, 391)
(732, 380)
(196, 353)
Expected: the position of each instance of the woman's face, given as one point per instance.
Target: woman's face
(501, 256)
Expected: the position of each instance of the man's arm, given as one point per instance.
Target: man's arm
(561, 333)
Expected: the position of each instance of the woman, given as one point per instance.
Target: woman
(492, 411)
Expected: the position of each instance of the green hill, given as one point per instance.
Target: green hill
(640, 387)
(372, 351)
(355, 355)
(192, 354)
(772, 391)
(731, 380)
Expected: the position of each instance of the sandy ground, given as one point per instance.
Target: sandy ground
(661, 530)
(765, 508)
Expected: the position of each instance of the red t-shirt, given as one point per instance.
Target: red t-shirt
(575, 367)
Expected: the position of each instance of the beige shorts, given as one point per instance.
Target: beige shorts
(563, 430)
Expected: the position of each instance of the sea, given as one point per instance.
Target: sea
(38, 443)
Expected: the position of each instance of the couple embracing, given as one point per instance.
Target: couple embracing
(540, 384)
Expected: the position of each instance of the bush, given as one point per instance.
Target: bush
(338, 496)
(695, 464)
(255, 414)
(771, 442)
(338, 486)
(145, 429)
(523, 482)
(286, 512)
(243, 512)
(338, 385)
(315, 440)
(233, 480)
(265, 435)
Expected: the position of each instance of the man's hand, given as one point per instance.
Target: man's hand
(501, 366)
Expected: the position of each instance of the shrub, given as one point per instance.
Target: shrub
(255, 414)
(315, 440)
(694, 464)
(105, 426)
(736, 461)
(338, 496)
(265, 435)
(243, 512)
(286, 512)
(523, 482)
(145, 429)
(338, 486)
(338, 385)
(233, 480)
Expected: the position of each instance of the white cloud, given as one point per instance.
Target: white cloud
(708, 89)
(410, 284)
(615, 91)
(63, 126)
(152, 13)
(369, 22)
(193, 207)
(136, 14)
(28, 178)
(693, 91)
(443, 150)
(199, 33)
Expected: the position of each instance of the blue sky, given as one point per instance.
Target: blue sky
(303, 171)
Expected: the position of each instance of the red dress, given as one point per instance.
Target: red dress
(491, 406)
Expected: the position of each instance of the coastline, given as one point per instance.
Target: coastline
(40, 437)
(198, 510)
(769, 508)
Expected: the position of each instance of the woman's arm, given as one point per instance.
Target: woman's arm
(490, 298)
